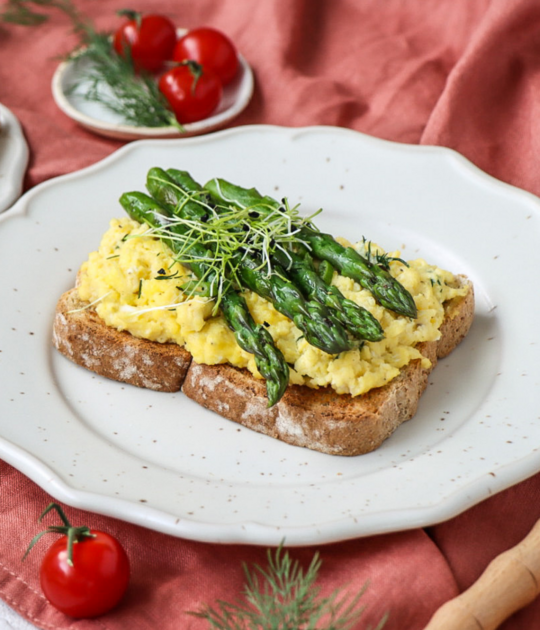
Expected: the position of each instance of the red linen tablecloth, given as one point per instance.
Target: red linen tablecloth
(460, 73)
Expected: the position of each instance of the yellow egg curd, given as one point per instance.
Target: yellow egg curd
(133, 282)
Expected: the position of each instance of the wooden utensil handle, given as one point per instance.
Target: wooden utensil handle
(511, 581)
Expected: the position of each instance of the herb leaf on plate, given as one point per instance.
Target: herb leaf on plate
(108, 78)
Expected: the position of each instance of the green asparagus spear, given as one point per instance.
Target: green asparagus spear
(319, 324)
(376, 279)
(356, 319)
(383, 286)
(250, 336)
(325, 271)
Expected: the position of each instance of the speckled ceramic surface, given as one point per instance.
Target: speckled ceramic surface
(100, 120)
(13, 158)
(163, 462)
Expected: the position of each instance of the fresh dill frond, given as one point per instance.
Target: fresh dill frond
(381, 259)
(22, 13)
(135, 312)
(284, 597)
(103, 76)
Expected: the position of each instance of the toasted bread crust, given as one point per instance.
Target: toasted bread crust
(318, 419)
(321, 419)
(82, 337)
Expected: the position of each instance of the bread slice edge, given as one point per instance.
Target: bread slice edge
(82, 336)
(321, 419)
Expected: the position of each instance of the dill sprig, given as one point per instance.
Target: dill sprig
(284, 597)
(23, 13)
(378, 258)
(103, 76)
(107, 78)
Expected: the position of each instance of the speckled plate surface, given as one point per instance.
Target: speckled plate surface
(13, 158)
(163, 462)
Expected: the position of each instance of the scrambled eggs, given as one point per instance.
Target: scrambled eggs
(133, 283)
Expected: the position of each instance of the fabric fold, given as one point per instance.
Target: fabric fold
(491, 99)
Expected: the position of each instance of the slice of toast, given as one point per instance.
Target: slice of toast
(81, 335)
(321, 419)
(318, 419)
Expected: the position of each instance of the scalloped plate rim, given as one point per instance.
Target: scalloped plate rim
(253, 532)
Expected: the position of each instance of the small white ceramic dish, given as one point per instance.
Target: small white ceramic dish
(99, 119)
(13, 158)
(164, 462)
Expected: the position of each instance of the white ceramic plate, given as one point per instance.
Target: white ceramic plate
(162, 461)
(96, 118)
(13, 158)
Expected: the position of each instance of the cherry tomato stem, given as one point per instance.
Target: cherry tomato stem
(212, 49)
(193, 93)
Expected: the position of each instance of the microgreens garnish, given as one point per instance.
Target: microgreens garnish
(86, 306)
(135, 312)
(229, 236)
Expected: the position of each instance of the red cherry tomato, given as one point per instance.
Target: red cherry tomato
(84, 573)
(192, 92)
(94, 584)
(212, 49)
(150, 39)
